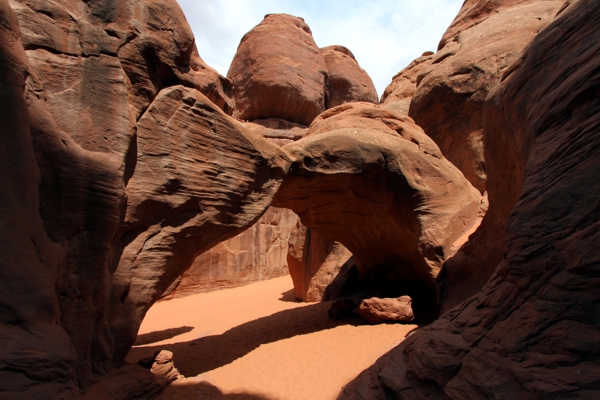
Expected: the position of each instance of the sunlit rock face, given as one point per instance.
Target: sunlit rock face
(481, 43)
(128, 167)
(371, 179)
(346, 81)
(532, 331)
(398, 94)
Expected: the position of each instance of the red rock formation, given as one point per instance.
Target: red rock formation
(34, 348)
(314, 262)
(532, 332)
(256, 254)
(346, 80)
(398, 95)
(482, 42)
(200, 177)
(376, 310)
(278, 72)
(373, 180)
(98, 79)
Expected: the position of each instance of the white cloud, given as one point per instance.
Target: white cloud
(385, 36)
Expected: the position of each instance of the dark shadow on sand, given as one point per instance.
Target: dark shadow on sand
(157, 336)
(212, 352)
(288, 296)
(205, 390)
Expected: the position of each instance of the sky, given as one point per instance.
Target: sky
(384, 36)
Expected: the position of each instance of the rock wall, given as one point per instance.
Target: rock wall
(481, 43)
(126, 175)
(532, 332)
(256, 254)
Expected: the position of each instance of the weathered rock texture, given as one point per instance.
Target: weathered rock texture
(320, 267)
(279, 72)
(480, 44)
(346, 80)
(398, 95)
(371, 179)
(532, 332)
(118, 172)
(200, 178)
(256, 254)
(376, 310)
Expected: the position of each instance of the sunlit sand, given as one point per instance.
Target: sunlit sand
(256, 342)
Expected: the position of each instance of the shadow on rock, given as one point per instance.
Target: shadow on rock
(157, 336)
(207, 353)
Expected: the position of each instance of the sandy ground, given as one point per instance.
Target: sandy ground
(255, 342)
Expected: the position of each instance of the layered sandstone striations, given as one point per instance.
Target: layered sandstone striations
(279, 72)
(135, 173)
(532, 332)
(258, 253)
(371, 179)
(480, 44)
(200, 177)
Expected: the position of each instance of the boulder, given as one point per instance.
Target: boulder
(346, 80)
(479, 46)
(398, 94)
(532, 331)
(319, 267)
(376, 310)
(278, 72)
(372, 180)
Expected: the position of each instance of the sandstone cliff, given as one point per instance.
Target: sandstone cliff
(532, 332)
(126, 175)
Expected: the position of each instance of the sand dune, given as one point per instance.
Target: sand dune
(255, 342)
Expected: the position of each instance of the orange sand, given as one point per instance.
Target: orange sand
(256, 342)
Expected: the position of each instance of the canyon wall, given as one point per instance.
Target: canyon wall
(126, 160)
(532, 332)
(124, 151)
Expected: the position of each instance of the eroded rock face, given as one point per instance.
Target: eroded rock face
(200, 177)
(33, 345)
(278, 72)
(532, 331)
(371, 179)
(346, 80)
(398, 94)
(91, 85)
(258, 253)
(376, 310)
(480, 44)
(315, 264)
